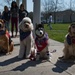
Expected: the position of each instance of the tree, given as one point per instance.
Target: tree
(8, 2)
(48, 6)
(52, 6)
(71, 6)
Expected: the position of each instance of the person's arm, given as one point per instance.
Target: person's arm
(17, 12)
(26, 12)
(10, 12)
(9, 15)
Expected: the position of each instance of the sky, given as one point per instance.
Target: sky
(29, 4)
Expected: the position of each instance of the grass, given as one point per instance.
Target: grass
(58, 32)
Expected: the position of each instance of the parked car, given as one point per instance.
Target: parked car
(43, 21)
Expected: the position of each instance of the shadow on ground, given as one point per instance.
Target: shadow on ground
(26, 65)
(21, 67)
(61, 66)
(9, 61)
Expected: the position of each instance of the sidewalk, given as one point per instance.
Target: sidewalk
(11, 65)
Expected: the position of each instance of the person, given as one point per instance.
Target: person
(50, 21)
(6, 17)
(14, 17)
(22, 13)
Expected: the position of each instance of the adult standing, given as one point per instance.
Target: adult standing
(22, 13)
(50, 21)
(14, 17)
(6, 17)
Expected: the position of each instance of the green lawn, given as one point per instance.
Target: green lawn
(58, 32)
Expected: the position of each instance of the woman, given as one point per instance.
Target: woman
(14, 17)
(6, 17)
(22, 12)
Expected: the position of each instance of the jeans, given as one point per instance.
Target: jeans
(7, 25)
(50, 26)
(14, 23)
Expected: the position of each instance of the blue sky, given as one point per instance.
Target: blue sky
(29, 5)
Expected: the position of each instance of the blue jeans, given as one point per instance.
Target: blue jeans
(7, 25)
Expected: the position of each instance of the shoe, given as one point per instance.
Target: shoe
(15, 35)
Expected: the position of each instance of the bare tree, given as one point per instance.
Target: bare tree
(52, 6)
(2, 5)
(8, 2)
(48, 7)
(58, 6)
(72, 8)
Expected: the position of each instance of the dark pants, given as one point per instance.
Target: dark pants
(50, 26)
(14, 23)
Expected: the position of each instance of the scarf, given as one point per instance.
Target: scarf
(23, 35)
(41, 43)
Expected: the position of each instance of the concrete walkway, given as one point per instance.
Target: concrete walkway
(11, 65)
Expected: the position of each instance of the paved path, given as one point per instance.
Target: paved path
(11, 65)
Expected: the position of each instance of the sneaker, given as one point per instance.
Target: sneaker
(15, 35)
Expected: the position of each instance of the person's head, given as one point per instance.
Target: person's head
(13, 4)
(5, 8)
(21, 7)
(50, 14)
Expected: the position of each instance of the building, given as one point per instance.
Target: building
(65, 16)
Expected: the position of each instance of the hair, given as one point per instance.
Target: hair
(21, 6)
(5, 7)
(13, 2)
